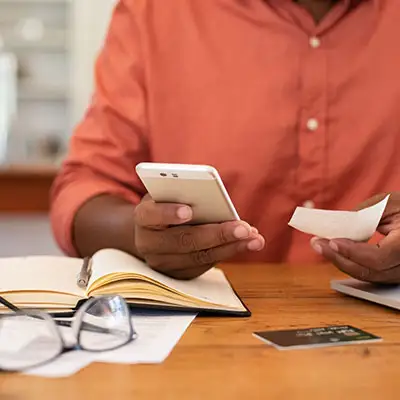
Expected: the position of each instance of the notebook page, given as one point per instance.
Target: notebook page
(210, 287)
(40, 273)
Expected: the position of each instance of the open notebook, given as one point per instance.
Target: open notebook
(50, 282)
(386, 295)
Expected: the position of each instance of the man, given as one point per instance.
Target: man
(295, 103)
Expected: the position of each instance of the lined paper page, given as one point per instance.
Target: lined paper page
(40, 273)
(211, 287)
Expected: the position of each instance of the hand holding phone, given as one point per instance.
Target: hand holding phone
(198, 186)
(169, 243)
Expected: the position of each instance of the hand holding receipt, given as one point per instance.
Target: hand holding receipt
(341, 237)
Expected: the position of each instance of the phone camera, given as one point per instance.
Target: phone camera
(175, 175)
(163, 174)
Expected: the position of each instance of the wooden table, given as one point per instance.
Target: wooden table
(218, 358)
(26, 188)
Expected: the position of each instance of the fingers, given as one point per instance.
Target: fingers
(184, 251)
(384, 255)
(188, 239)
(153, 215)
(390, 222)
(322, 246)
(191, 265)
(363, 261)
(392, 208)
(370, 256)
(257, 243)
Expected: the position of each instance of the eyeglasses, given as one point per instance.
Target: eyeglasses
(29, 339)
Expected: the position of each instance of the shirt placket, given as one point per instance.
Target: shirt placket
(312, 128)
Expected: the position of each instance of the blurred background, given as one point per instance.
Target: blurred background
(47, 52)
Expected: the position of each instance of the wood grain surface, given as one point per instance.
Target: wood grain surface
(218, 358)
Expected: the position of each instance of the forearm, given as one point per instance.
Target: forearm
(104, 221)
(105, 147)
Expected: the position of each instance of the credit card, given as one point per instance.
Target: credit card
(335, 335)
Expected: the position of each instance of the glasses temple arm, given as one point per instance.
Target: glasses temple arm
(9, 305)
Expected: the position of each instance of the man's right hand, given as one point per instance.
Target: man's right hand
(185, 251)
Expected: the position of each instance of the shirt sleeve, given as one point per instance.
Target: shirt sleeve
(111, 139)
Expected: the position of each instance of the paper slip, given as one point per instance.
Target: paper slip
(158, 333)
(66, 365)
(157, 336)
(354, 225)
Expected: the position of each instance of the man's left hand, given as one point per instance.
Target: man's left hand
(378, 263)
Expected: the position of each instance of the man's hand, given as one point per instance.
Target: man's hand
(378, 263)
(184, 251)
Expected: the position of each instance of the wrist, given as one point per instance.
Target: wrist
(104, 221)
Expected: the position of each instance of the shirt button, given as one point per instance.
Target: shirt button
(315, 42)
(312, 124)
(309, 204)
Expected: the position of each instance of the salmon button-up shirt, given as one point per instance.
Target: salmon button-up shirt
(290, 112)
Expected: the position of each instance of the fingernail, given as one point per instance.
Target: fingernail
(184, 213)
(240, 232)
(334, 246)
(254, 245)
(317, 248)
(314, 244)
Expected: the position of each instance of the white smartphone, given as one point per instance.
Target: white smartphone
(198, 186)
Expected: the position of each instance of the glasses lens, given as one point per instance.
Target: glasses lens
(106, 324)
(27, 341)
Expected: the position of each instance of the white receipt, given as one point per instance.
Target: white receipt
(66, 365)
(158, 334)
(355, 225)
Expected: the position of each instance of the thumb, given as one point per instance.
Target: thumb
(372, 201)
(391, 215)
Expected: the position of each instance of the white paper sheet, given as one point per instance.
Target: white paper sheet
(66, 365)
(158, 333)
(157, 336)
(354, 225)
